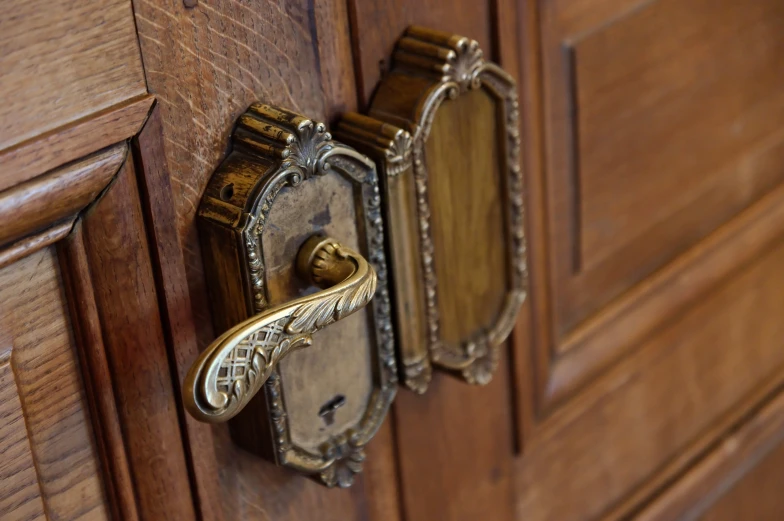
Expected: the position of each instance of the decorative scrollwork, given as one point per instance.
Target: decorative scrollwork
(236, 365)
(348, 458)
(381, 139)
(302, 145)
(417, 374)
(440, 66)
(275, 150)
(457, 60)
(299, 142)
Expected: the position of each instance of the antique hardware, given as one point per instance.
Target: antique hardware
(265, 219)
(443, 130)
(215, 394)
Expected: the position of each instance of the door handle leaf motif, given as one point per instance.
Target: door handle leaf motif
(237, 364)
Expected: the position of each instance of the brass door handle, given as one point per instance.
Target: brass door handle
(264, 221)
(214, 392)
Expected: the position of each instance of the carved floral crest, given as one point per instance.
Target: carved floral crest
(301, 143)
(456, 59)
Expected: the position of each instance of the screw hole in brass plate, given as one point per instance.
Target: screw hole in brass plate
(227, 192)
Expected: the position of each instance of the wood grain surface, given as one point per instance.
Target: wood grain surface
(20, 494)
(745, 171)
(671, 119)
(695, 129)
(62, 61)
(739, 478)
(604, 87)
(629, 321)
(634, 428)
(73, 141)
(564, 394)
(179, 327)
(756, 494)
(455, 449)
(56, 196)
(58, 473)
(32, 243)
(565, 363)
(96, 375)
(118, 257)
(228, 55)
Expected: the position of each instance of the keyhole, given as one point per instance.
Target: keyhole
(327, 411)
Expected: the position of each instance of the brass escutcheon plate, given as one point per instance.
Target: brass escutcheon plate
(443, 129)
(285, 181)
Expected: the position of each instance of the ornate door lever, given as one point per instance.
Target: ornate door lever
(211, 391)
(264, 221)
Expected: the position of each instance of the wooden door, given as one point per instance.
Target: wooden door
(654, 338)
(643, 379)
(447, 455)
(89, 425)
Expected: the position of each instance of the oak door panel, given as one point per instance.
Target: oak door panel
(661, 173)
(57, 196)
(739, 478)
(646, 355)
(20, 492)
(230, 54)
(757, 495)
(640, 424)
(109, 245)
(61, 61)
(124, 458)
(672, 125)
(49, 450)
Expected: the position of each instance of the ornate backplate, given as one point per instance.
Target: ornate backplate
(443, 128)
(285, 180)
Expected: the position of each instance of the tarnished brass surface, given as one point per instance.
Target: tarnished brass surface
(217, 387)
(264, 220)
(443, 129)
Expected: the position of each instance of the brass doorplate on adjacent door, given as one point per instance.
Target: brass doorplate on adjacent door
(443, 130)
(323, 392)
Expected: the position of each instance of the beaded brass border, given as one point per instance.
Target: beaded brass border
(290, 149)
(451, 65)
